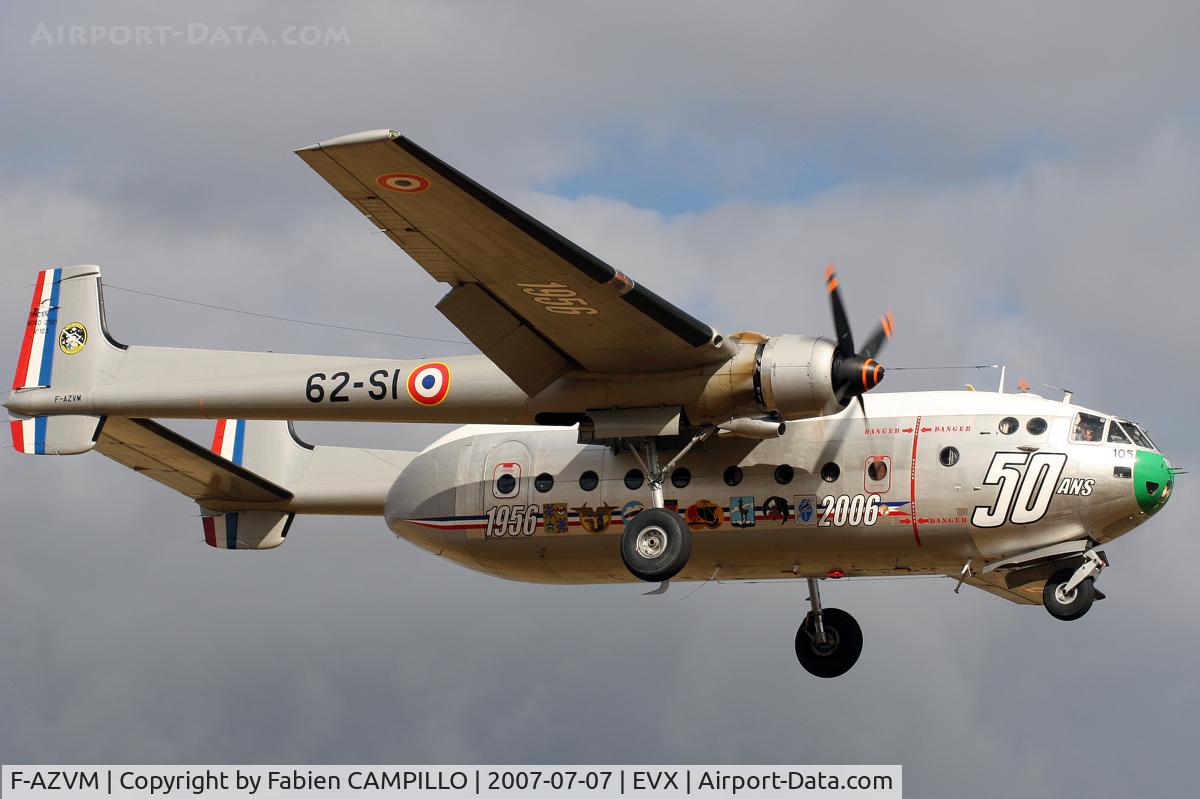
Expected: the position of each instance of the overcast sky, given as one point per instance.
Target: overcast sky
(1019, 184)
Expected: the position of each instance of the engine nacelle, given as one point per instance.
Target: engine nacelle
(794, 376)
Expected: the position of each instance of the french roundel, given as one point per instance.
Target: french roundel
(403, 181)
(429, 383)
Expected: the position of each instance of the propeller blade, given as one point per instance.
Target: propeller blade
(841, 325)
(854, 373)
(882, 334)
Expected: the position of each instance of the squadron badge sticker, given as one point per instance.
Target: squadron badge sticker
(555, 517)
(741, 511)
(595, 520)
(72, 338)
(630, 509)
(775, 509)
(705, 515)
(806, 510)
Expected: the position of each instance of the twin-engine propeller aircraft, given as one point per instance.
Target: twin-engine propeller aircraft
(639, 443)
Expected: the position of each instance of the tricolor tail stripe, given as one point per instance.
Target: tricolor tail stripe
(35, 363)
(229, 439)
(221, 531)
(29, 435)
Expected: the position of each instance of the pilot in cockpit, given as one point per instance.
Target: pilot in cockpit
(1088, 428)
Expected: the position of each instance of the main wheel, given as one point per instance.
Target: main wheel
(656, 544)
(843, 644)
(1064, 605)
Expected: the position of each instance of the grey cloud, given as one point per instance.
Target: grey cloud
(125, 638)
(531, 93)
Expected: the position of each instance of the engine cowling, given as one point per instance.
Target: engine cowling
(793, 376)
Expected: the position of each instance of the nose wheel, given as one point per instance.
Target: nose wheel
(1069, 593)
(829, 640)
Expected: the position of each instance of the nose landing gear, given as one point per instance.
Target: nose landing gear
(1069, 593)
(829, 640)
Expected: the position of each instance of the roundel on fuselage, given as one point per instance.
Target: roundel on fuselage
(429, 383)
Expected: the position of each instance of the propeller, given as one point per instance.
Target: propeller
(855, 372)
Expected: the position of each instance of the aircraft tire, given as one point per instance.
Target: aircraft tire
(840, 654)
(656, 545)
(1079, 603)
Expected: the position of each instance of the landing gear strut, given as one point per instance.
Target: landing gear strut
(656, 545)
(829, 641)
(1069, 593)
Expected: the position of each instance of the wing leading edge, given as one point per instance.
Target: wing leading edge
(535, 302)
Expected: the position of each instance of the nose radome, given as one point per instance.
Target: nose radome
(1153, 481)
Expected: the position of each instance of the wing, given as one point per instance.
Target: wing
(535, 303)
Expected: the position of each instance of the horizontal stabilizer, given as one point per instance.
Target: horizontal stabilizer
(254, 529)
(54, 435)
(179, 463)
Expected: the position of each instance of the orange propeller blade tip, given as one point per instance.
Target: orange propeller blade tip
(888, 323)
(829, 271)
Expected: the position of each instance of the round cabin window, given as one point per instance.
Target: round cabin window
(784, 474)
(1036, 426)
(681, 477)
(634, 479)
(589, 480)
(543, 482)
(948, 456)
(830, 472)
(506, 485)
(877, 471)
(733, 475)
(1008, 425)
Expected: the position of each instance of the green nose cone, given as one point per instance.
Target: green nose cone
(1152, 481)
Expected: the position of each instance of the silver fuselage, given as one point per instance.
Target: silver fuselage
(927, 517)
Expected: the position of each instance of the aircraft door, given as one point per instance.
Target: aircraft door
(877, 474)
(505, 489)
(883, 475)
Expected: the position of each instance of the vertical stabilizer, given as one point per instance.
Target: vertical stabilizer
(66, 347)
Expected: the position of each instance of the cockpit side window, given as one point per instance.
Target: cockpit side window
(1146, 435)
(1135, 433)
(1116, 435)
(1087, 428)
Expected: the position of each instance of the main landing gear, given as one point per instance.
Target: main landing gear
(1069, 593)
(657, 543)
(829, 641)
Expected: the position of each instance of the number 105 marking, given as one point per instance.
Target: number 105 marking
(1024, 497)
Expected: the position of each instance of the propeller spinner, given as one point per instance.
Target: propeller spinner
(854, 372)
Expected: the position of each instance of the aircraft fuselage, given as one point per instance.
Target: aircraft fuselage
(926, 484)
